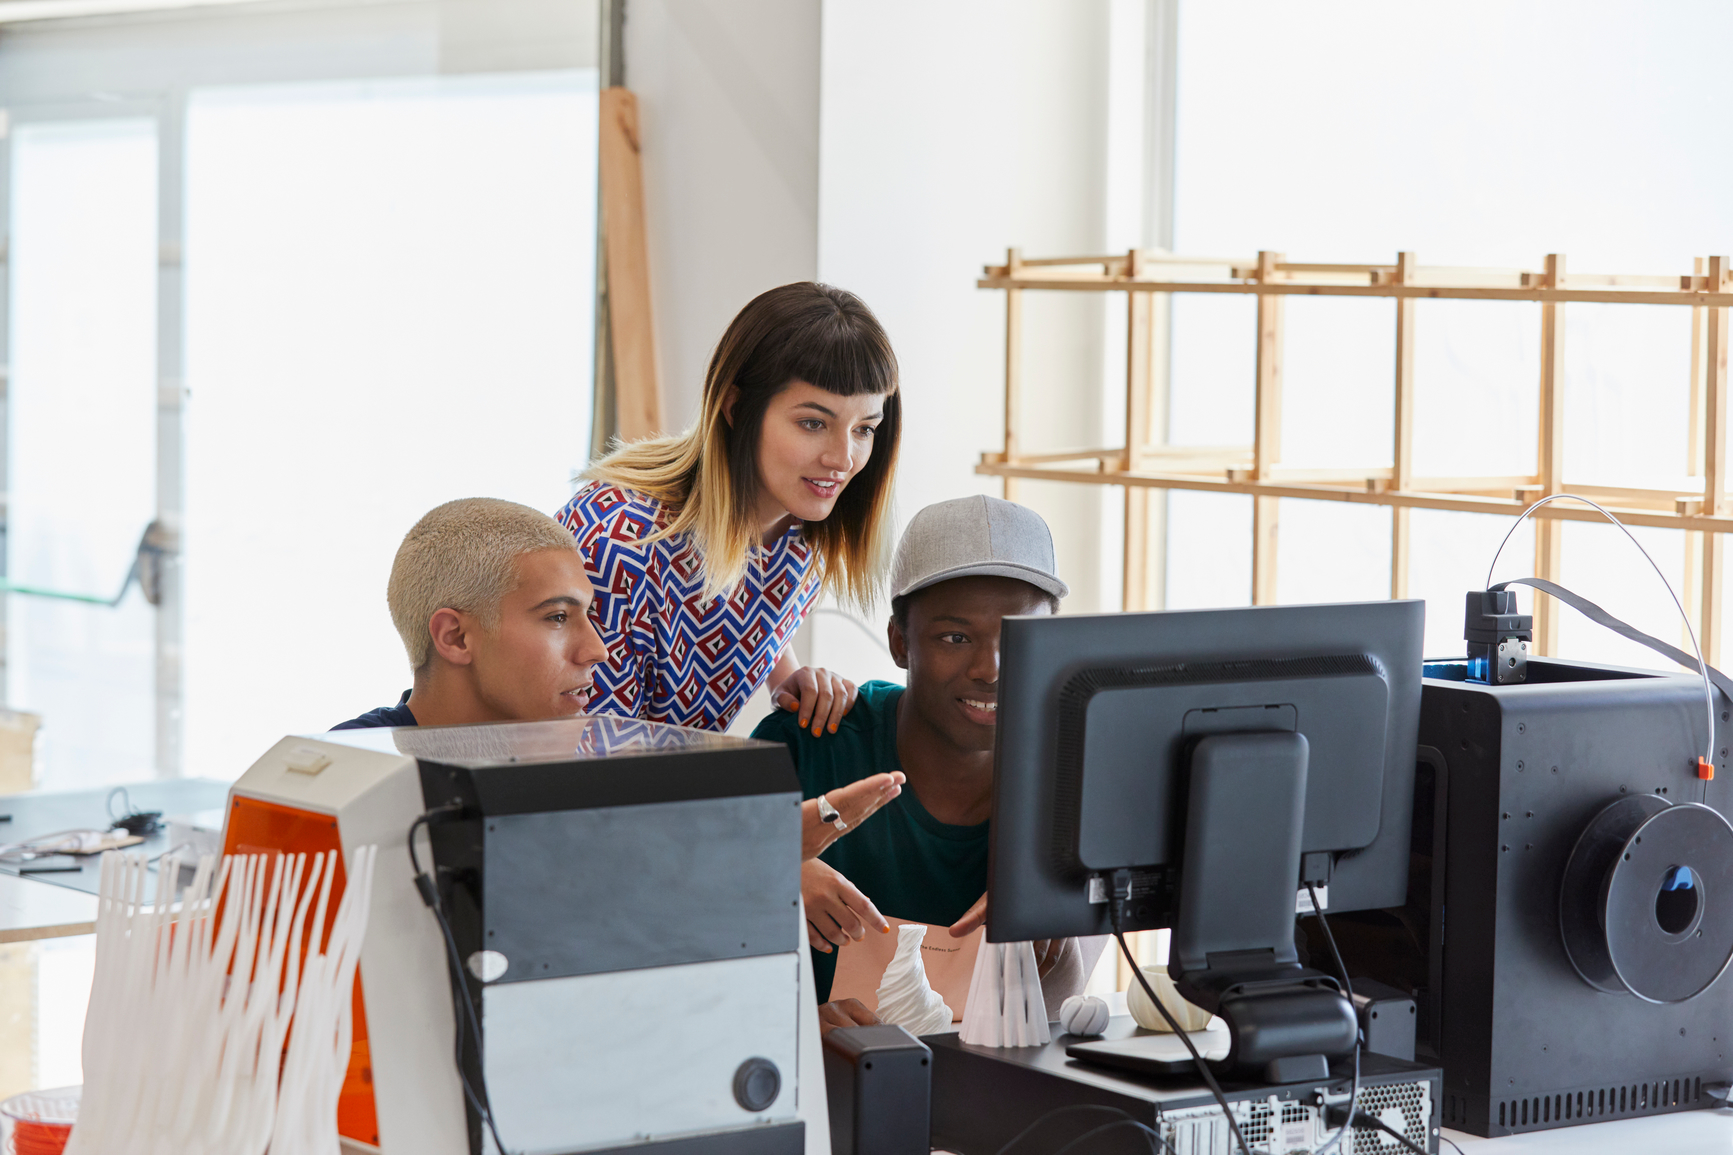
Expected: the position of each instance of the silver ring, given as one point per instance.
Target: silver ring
(830, 814)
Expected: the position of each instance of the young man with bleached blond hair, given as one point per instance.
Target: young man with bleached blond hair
(492, 603)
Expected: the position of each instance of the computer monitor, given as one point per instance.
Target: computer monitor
(1193, 769)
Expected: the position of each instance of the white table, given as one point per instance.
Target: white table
(1687, 1133)
(30, 909)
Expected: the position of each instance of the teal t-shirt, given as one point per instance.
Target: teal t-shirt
(911, 865)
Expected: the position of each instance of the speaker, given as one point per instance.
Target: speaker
(880, 1083)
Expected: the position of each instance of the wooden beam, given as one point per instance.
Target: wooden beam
(1267, 436)
(1714, 461)
(1692, 593)
(1549, 460)
(1709, 600)
(1633, 497)
(637, 391)
(1136, 569)
(1457, 502)
(1013, 366)
(1364, 475)
(1137, 368)
(1470, 292)
(1402, 441)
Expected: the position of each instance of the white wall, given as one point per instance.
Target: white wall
(893, 152)
(728, 98)
(948, 133)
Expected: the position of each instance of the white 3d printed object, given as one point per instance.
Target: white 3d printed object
(1083, 1015)
(1189, 1017)
(1006, 1008)
(183, 1039)
(906, 999)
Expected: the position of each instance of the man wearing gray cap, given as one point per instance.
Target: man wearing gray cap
(961, 568)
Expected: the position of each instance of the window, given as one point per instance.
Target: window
(1429, 129)
(281, 279)
(389, 305)
(81, 444)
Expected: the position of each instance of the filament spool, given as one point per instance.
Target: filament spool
(1643, 906)
(41, 1120)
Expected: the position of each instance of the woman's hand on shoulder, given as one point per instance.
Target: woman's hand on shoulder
(817, 697)
(853, 804)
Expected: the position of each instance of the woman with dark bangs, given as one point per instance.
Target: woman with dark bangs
(707, 549)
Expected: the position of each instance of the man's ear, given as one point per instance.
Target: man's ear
(730, 398)
(898, 643)
(452, 635)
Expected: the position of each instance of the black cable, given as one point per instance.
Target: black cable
(1125, 1122)
(134, 822)
(1124, 1117)
(462, 1007)
(1348, 989)
(1202, 1067)
(1452, 1143)
(1055, 1113)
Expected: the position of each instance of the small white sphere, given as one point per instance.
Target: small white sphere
(1083, 1015)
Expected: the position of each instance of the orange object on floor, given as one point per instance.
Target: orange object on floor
(40, 1138)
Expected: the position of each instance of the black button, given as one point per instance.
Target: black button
(757, 1083)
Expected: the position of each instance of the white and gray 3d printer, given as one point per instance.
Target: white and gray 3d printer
(593, 942)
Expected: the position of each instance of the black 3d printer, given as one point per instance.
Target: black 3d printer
(1572, 824)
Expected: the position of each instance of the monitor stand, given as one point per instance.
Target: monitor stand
(1233, 950)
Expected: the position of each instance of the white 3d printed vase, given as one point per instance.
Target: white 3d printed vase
(906, 999)
(1188, 1016)
(1006, 1007)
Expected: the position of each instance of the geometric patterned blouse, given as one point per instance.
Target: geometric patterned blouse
(674, 656)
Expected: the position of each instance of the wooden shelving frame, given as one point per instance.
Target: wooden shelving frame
(1147, 463)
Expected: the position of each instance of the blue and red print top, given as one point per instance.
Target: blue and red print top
(674, 655)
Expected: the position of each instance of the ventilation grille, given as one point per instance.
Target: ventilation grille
(1295, 1127)
(1538, 1112)
(1414, 1100)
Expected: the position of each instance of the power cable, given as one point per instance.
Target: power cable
(1690, 630)
(462, 1008)
(1202, 1067)
(1335, 1141)
(1074, 1108)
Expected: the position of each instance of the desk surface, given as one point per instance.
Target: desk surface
(31, 909)
(38, 813)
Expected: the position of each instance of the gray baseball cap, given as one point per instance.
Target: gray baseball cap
(975, 535)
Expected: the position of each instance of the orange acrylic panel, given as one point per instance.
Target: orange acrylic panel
(258, 827)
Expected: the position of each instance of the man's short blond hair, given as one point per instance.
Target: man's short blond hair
(463, 556)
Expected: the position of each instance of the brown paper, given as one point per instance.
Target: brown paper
(950, 963)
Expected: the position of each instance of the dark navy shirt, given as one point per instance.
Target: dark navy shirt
(397, 715)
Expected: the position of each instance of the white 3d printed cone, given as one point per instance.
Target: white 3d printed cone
(1006, 1008)
(906, 999)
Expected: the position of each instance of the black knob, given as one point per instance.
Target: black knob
(757, 1083)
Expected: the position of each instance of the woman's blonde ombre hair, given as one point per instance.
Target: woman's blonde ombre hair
(708, 476)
